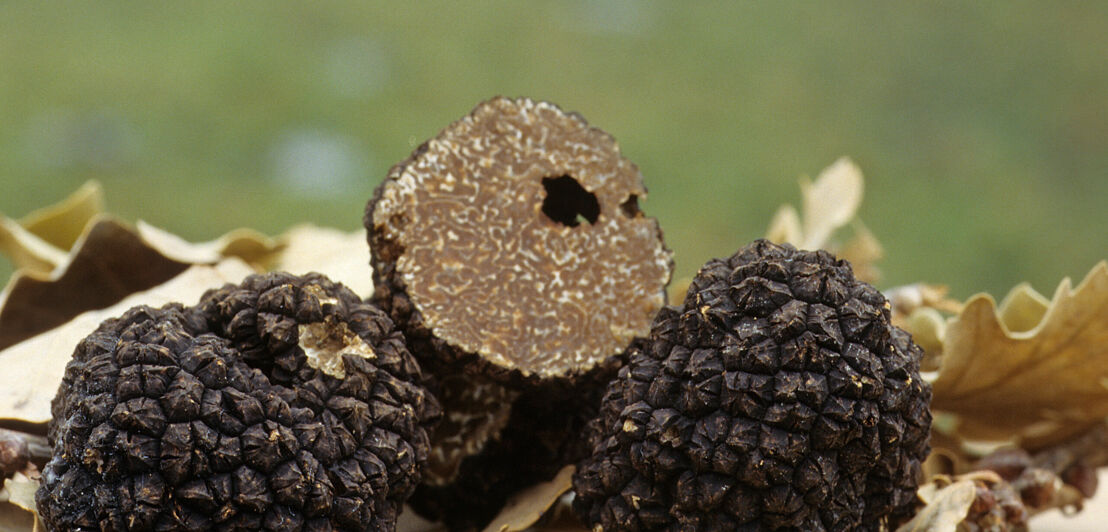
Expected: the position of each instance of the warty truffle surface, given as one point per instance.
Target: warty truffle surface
(777, 397)
(282, 403)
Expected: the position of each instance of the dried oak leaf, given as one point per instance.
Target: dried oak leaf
(39, 240)
(994, 504)
(26, 250)
(62, 223)
(108, 262)
(17, 505)
(32, 369)
(249, 245)
(409, 521)
(72, 258)
(1031, 370)
(528, 506)
(945, 508)
(340, 255)
(112, 260)
(830, 203)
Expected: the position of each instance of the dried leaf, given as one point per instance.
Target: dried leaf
(40, 240)
(945, 508)
(785, 226)
(27, 251)
(831, 201)
(20, 491)
(16, 519)
(17, 504)
(526, 507)
(409, 521)
(108, 262)
(249, 245)
(33, 368)
(111, 260)
(928, 327)
(62, 223)
(1022, 309)
(675, 293)
(909, 298)
(342, 256)
(1039, 378)
(863, 251)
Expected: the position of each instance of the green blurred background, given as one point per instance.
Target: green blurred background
(982, 128)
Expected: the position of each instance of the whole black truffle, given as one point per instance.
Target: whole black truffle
(777, 397)
(283, 403)
(512, 252)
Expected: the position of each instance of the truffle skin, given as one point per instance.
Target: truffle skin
(283, 403)
(512, 252)
(778, 396)
(542, 433)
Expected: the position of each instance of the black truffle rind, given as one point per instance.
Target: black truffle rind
(543, 433)
(282, 403)
(779, 396)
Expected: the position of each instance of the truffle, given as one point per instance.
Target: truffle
(512, 252)
(283, 403)
(778, 396)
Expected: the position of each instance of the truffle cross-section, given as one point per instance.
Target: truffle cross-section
(512, 251)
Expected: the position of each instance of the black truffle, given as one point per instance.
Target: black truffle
(512, 252)
(777, 397)
(283, 403)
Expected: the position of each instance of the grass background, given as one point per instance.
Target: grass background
(982, 127)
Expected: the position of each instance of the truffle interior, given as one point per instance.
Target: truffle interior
(493, 231)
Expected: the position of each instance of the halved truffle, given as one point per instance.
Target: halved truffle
(512, 251)
(778, 397)
(283, 403)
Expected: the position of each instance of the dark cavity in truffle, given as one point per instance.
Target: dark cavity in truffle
(568, 203)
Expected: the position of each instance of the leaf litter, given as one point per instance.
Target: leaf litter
(1029, 372)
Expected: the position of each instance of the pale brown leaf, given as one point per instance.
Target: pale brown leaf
(250, 246)
(342, 256)
(907, 299)
(62, 223)
(863, 251)
(785, 226)
(26, 250)
(829, 204)
(40, 240)
(17, 504)
(108, 262)
(1040, 377)
(928, 327)
(945, 508)
(1022, 309)
(32, 369)
(527, 506)
(409, 521)
(15, 519)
